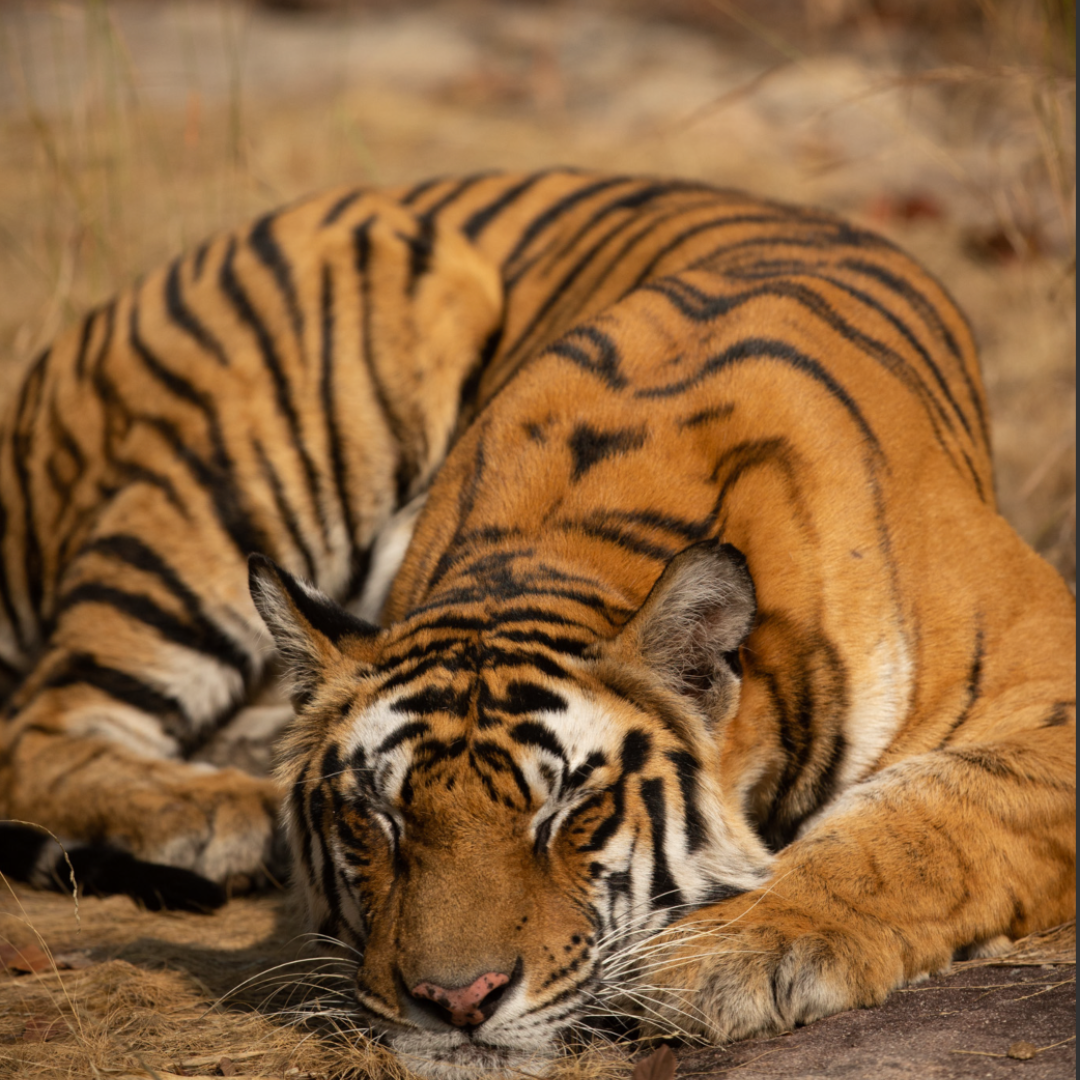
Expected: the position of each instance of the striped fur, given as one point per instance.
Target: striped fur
(711, 688)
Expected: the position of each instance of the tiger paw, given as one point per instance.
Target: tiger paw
(763, 979)
(217, 823)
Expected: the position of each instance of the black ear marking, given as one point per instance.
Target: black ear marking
(308, 627)
(319, 611)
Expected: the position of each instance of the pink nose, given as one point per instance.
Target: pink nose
(465, 1005)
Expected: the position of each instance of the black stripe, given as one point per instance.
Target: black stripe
(432, 699)
(324, 833)
(218, 480)
(298, 797)
(479, 220)
(663, 889)
(1061, 714)
(412, 730)
(718, 306)
(419, 190)
(930, 315)
(173, 382)
(644, 193)
(331, 216)
(721, 222)
(624, 540)
(287, 515)
(198, 262)
(552, 213)
(405, 469)
(562, 289)
(636, 748)
(456, 191)
(83, 669)
(420, 250)
(262, 241)
(216, 477)
(25, 423)
(611, 824)
(606, 362)
(133, 551)
(523, 698)
(202, 636)
(973, 689)
(131, 473)
(701, 306)
(187, 320)
(359, 559)
(597, 759)
(556, 642)
(241, 302)
(752, 348)
(63, 443)
(84, 343)
(686, 769)
(534, 733)
(500, 761)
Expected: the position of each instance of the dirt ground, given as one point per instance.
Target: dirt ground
(130, 130)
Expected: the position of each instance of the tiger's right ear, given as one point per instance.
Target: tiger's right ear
(312, 632)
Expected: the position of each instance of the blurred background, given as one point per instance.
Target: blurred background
(130, 129)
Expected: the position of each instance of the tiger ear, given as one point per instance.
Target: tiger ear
(692, 623)
(311, 631)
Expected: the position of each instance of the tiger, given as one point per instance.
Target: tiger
(629, 548)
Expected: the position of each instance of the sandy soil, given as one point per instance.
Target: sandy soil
(131, 130)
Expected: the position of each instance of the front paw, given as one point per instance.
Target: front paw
(733, 980)
(220, 824)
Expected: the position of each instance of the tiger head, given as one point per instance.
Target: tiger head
(496, 818)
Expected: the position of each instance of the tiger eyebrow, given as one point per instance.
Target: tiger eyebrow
(411, 730)
(533, 733)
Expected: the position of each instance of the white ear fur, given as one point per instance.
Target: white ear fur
(308, 627)
(693, 621)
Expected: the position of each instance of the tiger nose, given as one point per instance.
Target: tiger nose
(465, 1006)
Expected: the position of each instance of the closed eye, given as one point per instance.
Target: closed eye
(548, 821)
(542, 836)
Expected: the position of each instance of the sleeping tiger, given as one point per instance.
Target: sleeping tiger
(709, 686)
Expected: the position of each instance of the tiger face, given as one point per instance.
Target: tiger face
(496, 819)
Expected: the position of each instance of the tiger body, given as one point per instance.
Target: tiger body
(712, 687)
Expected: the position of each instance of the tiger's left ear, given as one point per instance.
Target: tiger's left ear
(311, 631)
(692, 623)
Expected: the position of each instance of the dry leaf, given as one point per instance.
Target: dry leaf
(1022, 1051)
(30, 959)
(24, 959)
(227, 1068)
(43, 1028)
(659, 1065)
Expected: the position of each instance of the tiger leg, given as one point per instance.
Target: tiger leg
(154, 643)
(939, 851)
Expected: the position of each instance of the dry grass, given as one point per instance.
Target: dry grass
(177, 993)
